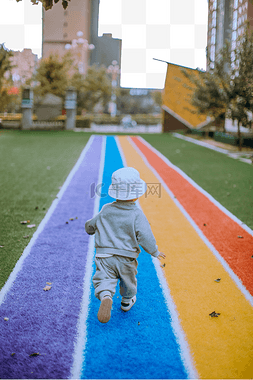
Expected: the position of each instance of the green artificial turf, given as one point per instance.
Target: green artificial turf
(33, 167)
(228, 180)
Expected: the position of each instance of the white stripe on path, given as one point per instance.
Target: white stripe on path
(81, 338)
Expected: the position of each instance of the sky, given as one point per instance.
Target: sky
(171, 30)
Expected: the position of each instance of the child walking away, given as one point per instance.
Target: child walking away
(120, 228)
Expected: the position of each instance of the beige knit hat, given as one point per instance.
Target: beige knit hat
(127, 184)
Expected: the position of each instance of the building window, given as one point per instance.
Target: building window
(212, 53)
(235, 4)
(214, 19)
(214, 4)
(235, 20)
(213, 36)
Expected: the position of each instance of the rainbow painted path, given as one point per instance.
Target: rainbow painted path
(169, 333)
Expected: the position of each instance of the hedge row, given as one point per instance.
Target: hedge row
(233, 139)
(197, 132)
(85, 121)
(226, 138)
(14, 120)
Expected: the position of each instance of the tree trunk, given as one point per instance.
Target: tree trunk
(239, 136)
(223, 124)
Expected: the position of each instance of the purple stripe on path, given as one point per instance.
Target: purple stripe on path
(41, 321)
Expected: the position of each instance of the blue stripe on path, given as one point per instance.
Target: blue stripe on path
(139, 344)
(41, 321)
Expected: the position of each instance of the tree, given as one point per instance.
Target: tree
(5, 62)
(95, 88)
(157, 97)
(77, 81)
(48, 4)
(5, 77)
(227, 89)
(241, 104)
(52, 75)
(211, 92)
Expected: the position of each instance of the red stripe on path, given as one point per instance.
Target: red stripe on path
(233, 243)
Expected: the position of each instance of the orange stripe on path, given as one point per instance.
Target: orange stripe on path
(233, 243)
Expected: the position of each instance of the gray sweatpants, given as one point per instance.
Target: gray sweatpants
(111, 269)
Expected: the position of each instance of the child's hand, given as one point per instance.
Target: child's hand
(161, 256)
(90, 230)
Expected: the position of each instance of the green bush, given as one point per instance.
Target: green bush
(103, 119)
(226, 138)
(83, 123)
(140, 119)
(147, 119)
(197, 132)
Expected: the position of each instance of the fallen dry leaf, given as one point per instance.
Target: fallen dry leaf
(31, 225)
(47, 287)
(214, 314)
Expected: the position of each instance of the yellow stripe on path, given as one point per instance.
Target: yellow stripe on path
(222, 347)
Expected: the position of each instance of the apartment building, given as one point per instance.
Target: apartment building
(226, 21)
(76, 29)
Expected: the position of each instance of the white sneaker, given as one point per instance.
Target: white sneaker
(127, 306)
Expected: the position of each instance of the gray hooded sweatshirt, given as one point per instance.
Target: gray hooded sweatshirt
(119, 228)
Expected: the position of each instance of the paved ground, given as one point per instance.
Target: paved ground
(245, 155)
